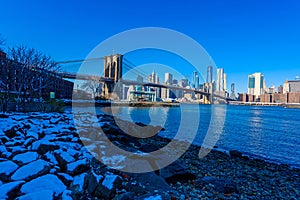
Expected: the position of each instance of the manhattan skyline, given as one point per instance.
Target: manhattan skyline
(243, 37)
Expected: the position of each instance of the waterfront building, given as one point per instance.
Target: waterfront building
(291, 86)
(232, 94)
(209, 77)
(272, 89)
(280, 89)
(256, 84)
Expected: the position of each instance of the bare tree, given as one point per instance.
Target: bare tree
(93, 86)
(2, 42)
(33, 72)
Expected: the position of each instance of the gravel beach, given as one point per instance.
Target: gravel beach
(42, 155)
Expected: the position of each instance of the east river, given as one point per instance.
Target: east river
(271, 133)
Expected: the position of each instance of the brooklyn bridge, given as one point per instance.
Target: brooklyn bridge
(113, 83)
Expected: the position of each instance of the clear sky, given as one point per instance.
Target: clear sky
(242, 36)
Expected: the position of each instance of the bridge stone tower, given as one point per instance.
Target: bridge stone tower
(112, 89)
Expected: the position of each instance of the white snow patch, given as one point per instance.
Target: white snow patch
(108, 181)
(113, 161)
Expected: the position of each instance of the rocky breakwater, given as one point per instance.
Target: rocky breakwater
(44, 156)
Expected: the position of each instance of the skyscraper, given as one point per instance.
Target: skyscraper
(195, 80)
(209, 74)
(256, 84)
(220, 80)
(168, 78)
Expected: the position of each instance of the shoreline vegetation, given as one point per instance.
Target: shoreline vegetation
(42, 154)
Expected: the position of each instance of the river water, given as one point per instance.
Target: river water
(271, 133)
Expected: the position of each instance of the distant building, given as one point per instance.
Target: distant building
(291, 86)
(272, 89)
(168, 78)
(256, 84)
(195, 80)
(209, 77)
(280, 89)
(232, 94)
(184, 83)
(139, 79)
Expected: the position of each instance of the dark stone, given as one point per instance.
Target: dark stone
(11, 132)
(107, 189)
(65, 178)
(235, 153)
(147, 148)
(226, 186)
(4, 116)
(94, 180)
(47, 146)
(176, 172)
(150, 181)
(125, 196)
(10, 190)
(78, 167)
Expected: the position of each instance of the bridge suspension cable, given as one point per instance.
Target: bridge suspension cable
(80, 60)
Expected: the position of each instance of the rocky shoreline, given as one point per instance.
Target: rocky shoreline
(42, 155)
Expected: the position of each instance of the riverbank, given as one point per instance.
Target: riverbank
(43, 155)
(285, 105)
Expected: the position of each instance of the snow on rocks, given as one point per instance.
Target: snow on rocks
(31, 170)
(6, 169)
(25, 158)
(44, 194)
(78, 167)
(46, 182)
(8, 190)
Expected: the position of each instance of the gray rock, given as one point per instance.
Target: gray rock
(31, 170)
(25, 158)
(46, 146)
(67, 195)
(107, 189)
(63, 158)
(44, 194)
(226, 186)
(125, 196)
(94, 180)
(79, 183)
(176, 172)
(235, 153)
(46, 182)
(66, 178)
(9, 190)
(78, 167)
(150, 181)
(49, 156)
(6, 169)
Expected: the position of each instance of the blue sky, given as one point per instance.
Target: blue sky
(242, 36)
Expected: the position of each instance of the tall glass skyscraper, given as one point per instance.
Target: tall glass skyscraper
(256, 84)
(209, 76)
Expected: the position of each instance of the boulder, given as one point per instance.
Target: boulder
(66, 178)
(235, 153)
(25, 158)
(79, 183)
(6, 169)
(9, 190)
(222, 185)
(77, 167)
(107, 189)
(63, 157)
(176, 172)
(46, 182)
(44, 194)
(125, 196)
(31, 170)
(94, 180)
(147, 182)
(46, 146)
